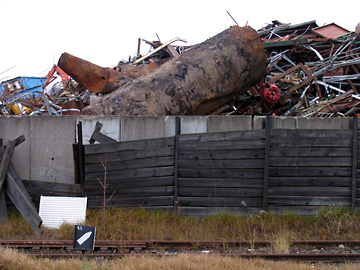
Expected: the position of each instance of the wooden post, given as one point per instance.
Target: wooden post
(3, 210)
(354, 162)
(81, 157)
(176, 158)
(266, 163)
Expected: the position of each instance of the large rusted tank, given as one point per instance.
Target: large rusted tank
(198, 82)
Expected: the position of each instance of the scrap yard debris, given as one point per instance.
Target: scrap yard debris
(301, 70)
(312, 72)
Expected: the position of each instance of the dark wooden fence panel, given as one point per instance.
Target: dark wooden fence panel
(225, 172)
(309, 169)
(217, 171)
(137, 173)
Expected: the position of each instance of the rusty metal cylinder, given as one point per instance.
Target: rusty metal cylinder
(95, 78)
(198, 82)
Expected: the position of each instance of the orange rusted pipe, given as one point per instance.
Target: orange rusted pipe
(94, 78)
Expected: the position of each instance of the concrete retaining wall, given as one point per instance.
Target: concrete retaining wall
(47, 153)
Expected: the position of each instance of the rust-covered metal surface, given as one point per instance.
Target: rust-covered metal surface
(95, 78)
(198, 82)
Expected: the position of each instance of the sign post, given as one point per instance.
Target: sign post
(84, 237)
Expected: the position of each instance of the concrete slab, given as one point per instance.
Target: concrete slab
(11, 128)
(283, 122)
(324, 123)
(259, 122)
(223, 123)
(142, 127)
(111, 126)
(193, 124)
(170, 122)
(52, 139)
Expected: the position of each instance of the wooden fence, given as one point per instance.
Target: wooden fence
(240, 172)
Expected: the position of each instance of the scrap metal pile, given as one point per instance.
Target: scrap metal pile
(312, 72)
(55, 94)
(282, 69)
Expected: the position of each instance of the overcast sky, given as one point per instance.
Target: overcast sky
(35, 33)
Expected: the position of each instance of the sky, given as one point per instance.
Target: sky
(35, 33)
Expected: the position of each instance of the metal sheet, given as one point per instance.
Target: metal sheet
(55, 211)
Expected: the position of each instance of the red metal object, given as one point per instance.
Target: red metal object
(269, 93)
(50, 76)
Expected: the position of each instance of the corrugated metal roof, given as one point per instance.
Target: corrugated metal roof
(54, 210)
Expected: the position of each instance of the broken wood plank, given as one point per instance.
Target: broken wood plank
(97, 136)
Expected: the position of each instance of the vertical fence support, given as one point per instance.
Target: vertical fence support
(266, 163)
(81, 156)
(354, 163)
(176, 159)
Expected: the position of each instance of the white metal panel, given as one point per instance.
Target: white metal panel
(54, 210)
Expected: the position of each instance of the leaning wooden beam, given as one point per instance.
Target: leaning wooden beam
(198, 82)
(6, 159)
(3, 210)
(19, 198)
(16, 190)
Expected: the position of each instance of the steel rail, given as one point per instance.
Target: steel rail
(323, 258)
(121, 248)
(146, 243)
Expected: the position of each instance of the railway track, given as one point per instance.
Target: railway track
(334, 251)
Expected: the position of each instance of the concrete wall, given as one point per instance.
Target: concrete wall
(47, 153)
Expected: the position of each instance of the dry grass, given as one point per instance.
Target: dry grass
(140, 224)
(14, 260)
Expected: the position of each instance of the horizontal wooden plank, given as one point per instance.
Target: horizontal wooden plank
(129, 155)
(226, 173)
(132, 183)
(213, 211)
(220, 192)
(310, 181)
(311, 152)
(228, 154)
(131, 192)
(222, 145)
(135, 201)
(310, 161)
(310, 142)
(112, 167)
(128, 145)
(310, 172)
(219, 202)
(222, 164)
(222, 136)
(310, 191)
(312, 133)
(308, 200)
(52, 187)
(132, 173)
(300, 210)
(221, 183)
